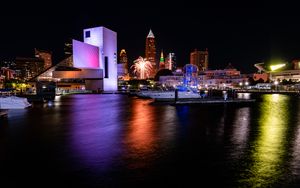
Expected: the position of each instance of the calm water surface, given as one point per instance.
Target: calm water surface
(118, 141)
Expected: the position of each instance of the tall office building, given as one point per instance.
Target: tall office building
(150, 52)
(124, 60)
(161, 61)
(170, 62)
(123, 64)
(200, 59)
(106, 41)
(296, 64)
(27, 68)
(68, 48)
(45, 55)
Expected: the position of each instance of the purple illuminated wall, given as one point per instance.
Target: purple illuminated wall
(85, 55)
(106, 40)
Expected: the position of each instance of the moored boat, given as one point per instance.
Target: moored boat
(13, 102)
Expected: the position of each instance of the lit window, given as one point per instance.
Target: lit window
(87, 34)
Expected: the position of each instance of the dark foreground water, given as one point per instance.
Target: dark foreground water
(118, 141)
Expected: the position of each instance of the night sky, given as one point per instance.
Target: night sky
(239, 33)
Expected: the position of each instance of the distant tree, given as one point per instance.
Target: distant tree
(260, 81)
(251, 81)
(291, 81)
(136, 83)
(284, 82)
(163, 72)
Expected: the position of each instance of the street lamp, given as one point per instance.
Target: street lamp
(241, 85)
(276, 83)
(246, 84)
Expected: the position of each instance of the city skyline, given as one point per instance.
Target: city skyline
(233, 33)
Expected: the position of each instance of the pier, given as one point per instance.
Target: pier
(215, 101)
(264, 91)
(205, 101)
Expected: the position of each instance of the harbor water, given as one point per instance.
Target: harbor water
(118, 141)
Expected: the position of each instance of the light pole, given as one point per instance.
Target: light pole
(276, 83)
(241, 85)
(246, 84)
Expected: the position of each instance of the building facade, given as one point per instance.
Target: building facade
(68, 48)
(296, 64)
(123, 65)
(27, 68)
(293, 75)
(200, 59)
(170, 62)
(150, 52)
(217, 79)
(91, 67)
(46, 56)
(106, 40)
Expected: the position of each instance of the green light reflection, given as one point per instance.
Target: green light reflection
(269, 148)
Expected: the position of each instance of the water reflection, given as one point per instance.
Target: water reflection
(142, 133)
(240, 131)
(244, 95)
(167, 128)
(95, 132)
(269, 148)
(295, 163)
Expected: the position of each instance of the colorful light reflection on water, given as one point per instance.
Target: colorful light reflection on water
(268, 150)
(115, 140)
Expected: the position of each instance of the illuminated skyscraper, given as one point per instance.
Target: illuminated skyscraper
(170, 62)
(296, 64)
(161, 61)
(123, 64)
(27, 68)
(68, 49)
(200, 59)
(46, 56)
(123, 57)
(150, 52)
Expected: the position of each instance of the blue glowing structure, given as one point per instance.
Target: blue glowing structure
(190, 74)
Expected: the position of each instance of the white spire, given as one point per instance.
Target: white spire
(150, 35)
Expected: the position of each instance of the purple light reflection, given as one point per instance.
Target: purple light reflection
(95, 138)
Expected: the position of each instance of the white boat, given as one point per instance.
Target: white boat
(170, 95)
(148, 93)
(13, 102)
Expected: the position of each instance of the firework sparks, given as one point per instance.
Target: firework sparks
(142, 67)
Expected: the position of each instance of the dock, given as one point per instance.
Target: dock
(215, 101)
(205, 101)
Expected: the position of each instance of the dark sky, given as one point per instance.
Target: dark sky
(235, 32)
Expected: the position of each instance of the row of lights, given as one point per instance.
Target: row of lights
(241, 84)
(246, 83)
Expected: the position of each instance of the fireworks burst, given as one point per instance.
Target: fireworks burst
(142, 67)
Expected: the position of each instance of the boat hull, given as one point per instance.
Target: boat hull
(13, 102)
(170, 96)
